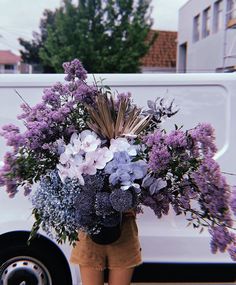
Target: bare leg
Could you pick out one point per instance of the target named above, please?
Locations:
(91, 276)
(120, 276)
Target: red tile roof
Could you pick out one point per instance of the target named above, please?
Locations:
(8, 57)
(163, 51)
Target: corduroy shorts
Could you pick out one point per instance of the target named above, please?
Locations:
(123, 253)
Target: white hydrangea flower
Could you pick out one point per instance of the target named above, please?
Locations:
(100, 157)
(88, 168)
(89, 141)
(122, 144)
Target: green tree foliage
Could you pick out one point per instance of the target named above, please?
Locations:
(30, 52)
(108, 36)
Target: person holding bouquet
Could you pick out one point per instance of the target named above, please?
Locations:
(96, 159)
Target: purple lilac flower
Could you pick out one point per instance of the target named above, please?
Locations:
(233, 200)
(188, 190)
(27, 189)
(84, 93)
(74, 69)
(13, 137)
(158, 137)
(11, 188)
(232, 251)
(124, 96)
(203, 140)
(2, 178)
(159, 203)
(52, 97)
(9, 174)
(176, 139)
(44, 121)
(159, 158)
(58, 115)
(215, 192)
(184, 202)
(10, 128)
(121, 200)
(221, 238)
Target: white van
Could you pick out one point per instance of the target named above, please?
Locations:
(166, 242)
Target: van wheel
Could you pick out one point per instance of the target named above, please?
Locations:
(40, 263)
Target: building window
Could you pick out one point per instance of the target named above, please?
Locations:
(218, 16)
(9, 67)
(206, 22)
(231, 12)
(196, 28)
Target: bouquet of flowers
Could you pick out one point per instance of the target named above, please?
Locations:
(92, 156)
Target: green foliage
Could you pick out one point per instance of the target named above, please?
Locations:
(30, 51)
(107, 36)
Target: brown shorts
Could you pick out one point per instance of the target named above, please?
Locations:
(123, 253)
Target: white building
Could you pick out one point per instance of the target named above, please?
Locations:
(207, 36)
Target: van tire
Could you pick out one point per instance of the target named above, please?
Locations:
(41, 262)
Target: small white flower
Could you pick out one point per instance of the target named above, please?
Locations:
(185, 176)
(136, 185)
(127, 186)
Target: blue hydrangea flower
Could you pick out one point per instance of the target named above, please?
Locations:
(85, 202)
(54, 203)
(103, 205)
(121, 200)
(120, 158)
(126, 174)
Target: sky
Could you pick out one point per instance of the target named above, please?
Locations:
(19, 18)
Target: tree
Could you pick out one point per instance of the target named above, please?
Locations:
(30, 53)
(106, 35)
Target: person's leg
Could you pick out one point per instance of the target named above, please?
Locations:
(91, 276)
(120, 276)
